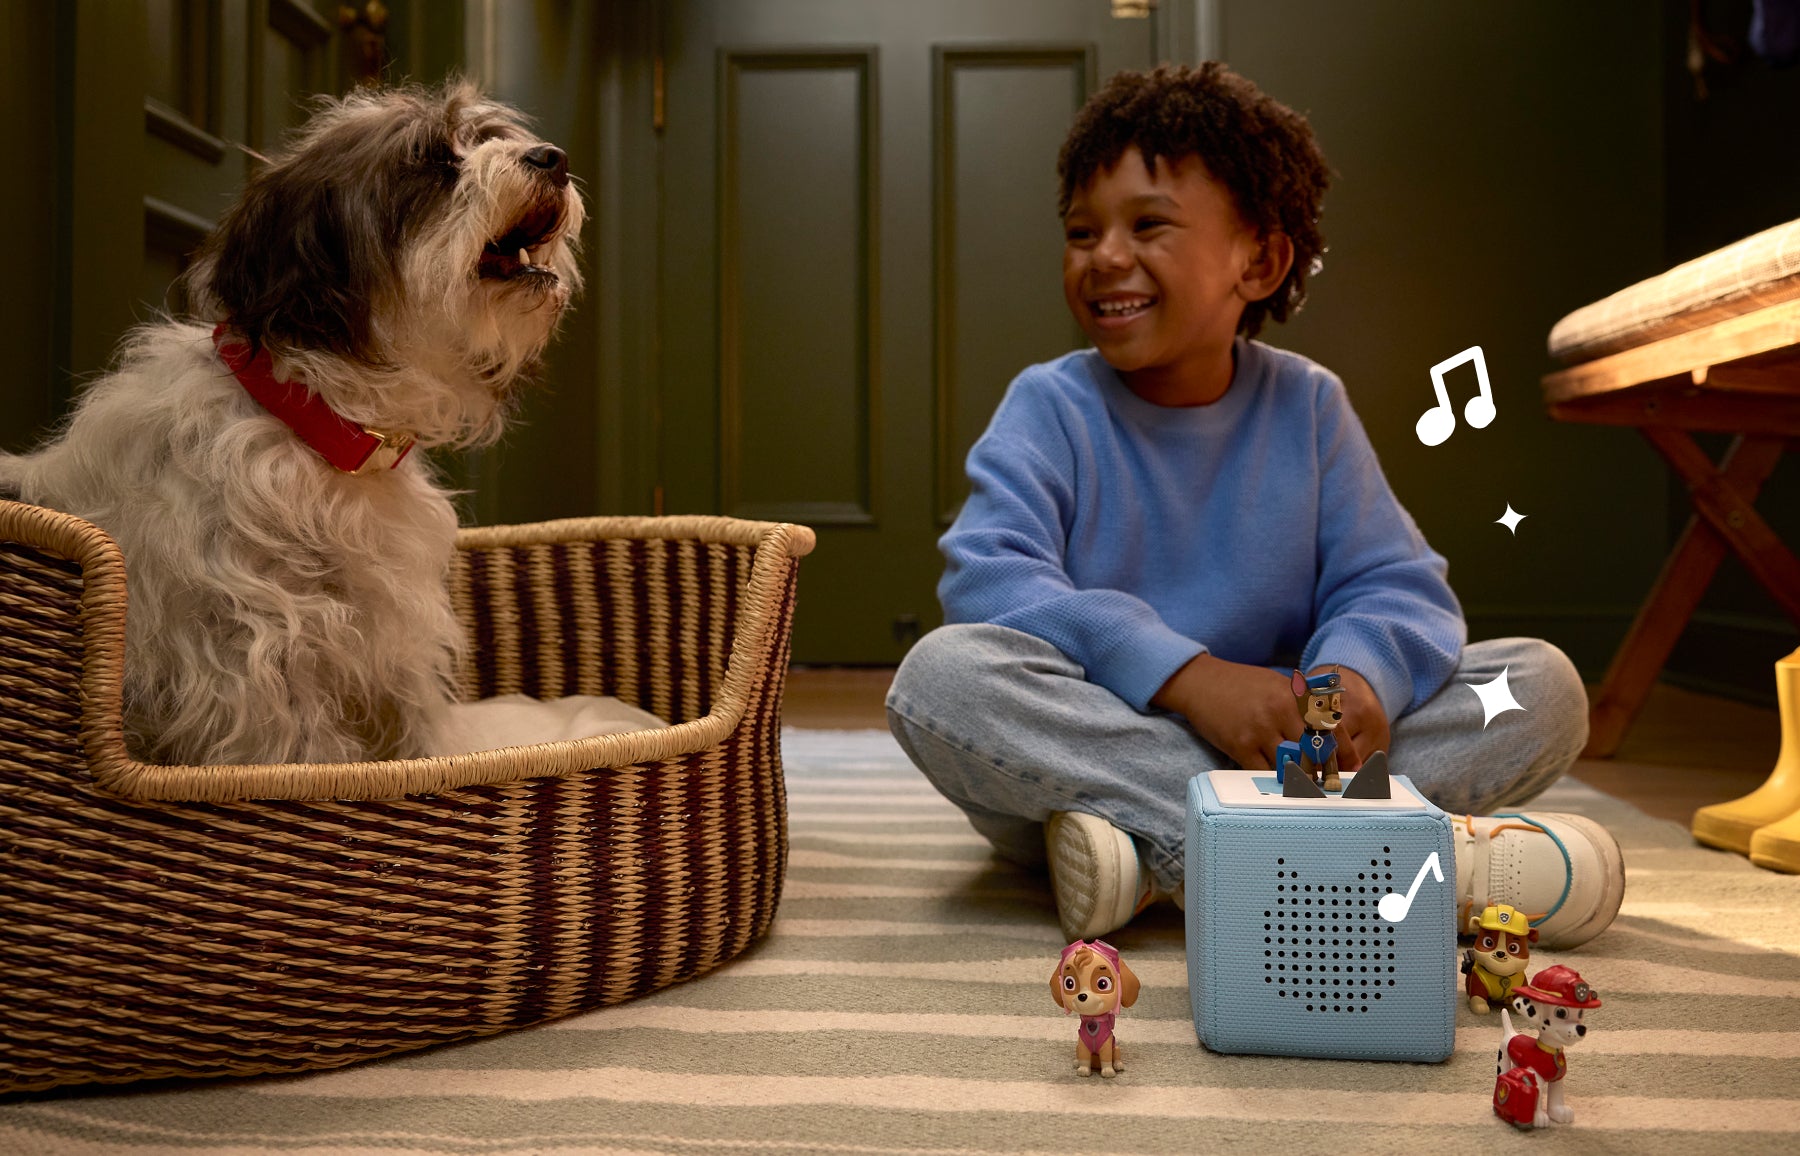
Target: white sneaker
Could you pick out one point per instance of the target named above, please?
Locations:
(1095, 874)
(1565, 872)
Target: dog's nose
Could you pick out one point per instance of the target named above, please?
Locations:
(1580, 1030)
(1082, 998)
(552, 160)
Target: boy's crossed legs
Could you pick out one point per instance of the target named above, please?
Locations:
(1010, 730)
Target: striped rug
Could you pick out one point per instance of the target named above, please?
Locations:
(901, 1005)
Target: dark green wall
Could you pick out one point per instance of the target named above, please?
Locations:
(77, 137)
(583, 443)
(1499, 165)
(31, 199)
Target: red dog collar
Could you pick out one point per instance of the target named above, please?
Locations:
(352, 448)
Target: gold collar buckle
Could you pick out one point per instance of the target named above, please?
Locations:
(389, 450)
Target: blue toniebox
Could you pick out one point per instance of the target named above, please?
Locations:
(1291, 950)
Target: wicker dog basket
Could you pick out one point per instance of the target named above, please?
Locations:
(231, 920)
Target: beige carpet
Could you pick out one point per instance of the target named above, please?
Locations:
(901, 1005)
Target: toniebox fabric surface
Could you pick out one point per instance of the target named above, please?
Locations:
(901, 1004)
(1280, 966)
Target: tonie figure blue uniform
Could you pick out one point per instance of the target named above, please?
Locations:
(1308, 768)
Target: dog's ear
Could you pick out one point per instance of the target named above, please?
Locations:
(1056, 991)
(310, 252)
(459, 94)
(1531, 936)
(1128, 985)
(290, 264)
(1298, 684)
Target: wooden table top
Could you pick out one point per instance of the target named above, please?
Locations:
(1755, 353)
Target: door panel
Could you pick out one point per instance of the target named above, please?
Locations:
(1000, 111)
(143, 117)
(796, 319)
(296, 59)
(859, 251)
(217, 73)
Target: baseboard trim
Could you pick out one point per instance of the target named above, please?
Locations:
(1731, 655)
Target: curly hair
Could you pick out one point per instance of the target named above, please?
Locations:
(1263, 152)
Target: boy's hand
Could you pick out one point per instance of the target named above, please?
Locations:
(1364, 728)
(1242, 710)
(1246, 710)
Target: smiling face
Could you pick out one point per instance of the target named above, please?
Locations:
(1085, 983)
(1089, 987)
(1158, 265)
(1557, 1026)
(1323, 712)
(1500, 953)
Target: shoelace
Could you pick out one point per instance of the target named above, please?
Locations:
(1483, 838)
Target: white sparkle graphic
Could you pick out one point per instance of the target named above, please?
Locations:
(1496, 697)
(1511, 518)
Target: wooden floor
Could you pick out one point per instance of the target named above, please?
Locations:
(1685, 751)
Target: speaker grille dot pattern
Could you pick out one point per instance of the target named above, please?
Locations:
(1325, 945)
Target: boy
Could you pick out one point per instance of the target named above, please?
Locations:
(1162, 528)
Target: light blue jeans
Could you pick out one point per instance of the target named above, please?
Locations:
(1009, 729)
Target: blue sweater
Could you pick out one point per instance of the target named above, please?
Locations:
(1259, 528)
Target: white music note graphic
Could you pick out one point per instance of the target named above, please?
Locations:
(1439, 422)
(1394, 906)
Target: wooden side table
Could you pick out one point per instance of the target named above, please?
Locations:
(1739, 375)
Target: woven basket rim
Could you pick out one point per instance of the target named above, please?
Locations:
(103, 609)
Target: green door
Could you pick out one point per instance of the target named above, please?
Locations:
(148, 117)
(202, 87)
(859, 250)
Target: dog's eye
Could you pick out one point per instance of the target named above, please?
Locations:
(442, 154)
(493, 130)
(1487, 943)
(1513, 947)
(1561, 1014)
(1068, 983)
(1103, 984)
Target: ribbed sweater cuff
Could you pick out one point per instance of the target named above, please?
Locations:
(1137, 667)
(1386, 673)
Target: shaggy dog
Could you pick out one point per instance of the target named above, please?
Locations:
(402, 264)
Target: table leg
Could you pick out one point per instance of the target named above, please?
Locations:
(1722, 496)
(1727, 505)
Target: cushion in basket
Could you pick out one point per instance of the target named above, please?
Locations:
(1760, 270)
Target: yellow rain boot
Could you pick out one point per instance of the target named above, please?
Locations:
(1732, 825)
(1777, 846)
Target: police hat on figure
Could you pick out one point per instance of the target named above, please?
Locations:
(1328, 683)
